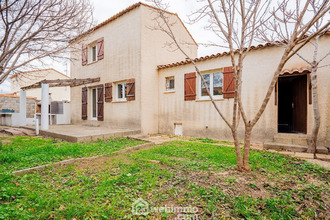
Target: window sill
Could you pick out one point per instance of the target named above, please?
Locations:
(92, 62)
(169, 91)
(209, 100)
(119, 101)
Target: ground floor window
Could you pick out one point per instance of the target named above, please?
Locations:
(94, 103)
(214, 82)
(121, 91)
(169, 83)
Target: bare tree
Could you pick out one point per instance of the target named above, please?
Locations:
(237, 22)
(314, 64)
(33, 31)
(281, 24)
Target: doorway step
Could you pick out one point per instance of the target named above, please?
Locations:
(293, 143)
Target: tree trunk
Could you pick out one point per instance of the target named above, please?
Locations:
(240, 165)
(317, 121)
(247, 145)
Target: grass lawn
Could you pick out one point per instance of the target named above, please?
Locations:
(23, 152)
(178, 174)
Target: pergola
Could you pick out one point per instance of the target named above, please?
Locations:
(62, 83)
(44, 85)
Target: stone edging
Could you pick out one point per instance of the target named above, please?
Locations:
(74, 160)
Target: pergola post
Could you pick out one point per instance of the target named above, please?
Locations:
(44, 106)
(22, 107)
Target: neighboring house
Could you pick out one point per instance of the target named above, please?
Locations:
(145, 85)
(9, 109)
(124, 52)
(27, 78)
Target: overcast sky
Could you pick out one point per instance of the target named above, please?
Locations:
(103, 9)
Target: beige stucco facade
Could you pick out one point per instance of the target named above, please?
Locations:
(132, 50)
(199, 117)
(28, 78)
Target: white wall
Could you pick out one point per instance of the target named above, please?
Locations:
(259, 67)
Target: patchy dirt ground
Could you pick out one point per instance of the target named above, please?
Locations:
(180, 173)
(258, 185)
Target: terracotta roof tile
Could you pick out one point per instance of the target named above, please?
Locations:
(11, 95)
(295, 71)
(260, 46)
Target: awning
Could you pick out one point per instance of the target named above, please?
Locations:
(296, 71)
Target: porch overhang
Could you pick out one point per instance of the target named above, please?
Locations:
(295, 71)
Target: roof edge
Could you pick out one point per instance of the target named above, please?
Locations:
(207, 57)
(12, 95)
(123, 12)
(31, 71)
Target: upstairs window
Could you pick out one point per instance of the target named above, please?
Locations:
(214, 82)
(170, 83)
(93, 53)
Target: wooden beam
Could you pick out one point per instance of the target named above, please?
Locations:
(62, 83)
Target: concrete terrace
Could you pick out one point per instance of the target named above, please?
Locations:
(81, 133)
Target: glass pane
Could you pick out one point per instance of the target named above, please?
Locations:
(120, 91)
(171, 83)
(125, 92)
(94, 103)
(207, 80)
(217, 83)
(94, 53)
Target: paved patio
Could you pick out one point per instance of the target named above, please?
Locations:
(81, 133)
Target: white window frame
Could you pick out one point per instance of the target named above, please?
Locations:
(90, 51)
(200, 97)
(96, 97)
(166, 82)
(92, 54)
(124, 83)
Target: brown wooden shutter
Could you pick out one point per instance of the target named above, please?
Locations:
(84, 55)
(100, 103)
(84, 103)
(130, 96)
(228, 82)
(189, 86)
(100, 48)
(108, 92)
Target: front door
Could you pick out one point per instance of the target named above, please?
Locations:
(292, 104)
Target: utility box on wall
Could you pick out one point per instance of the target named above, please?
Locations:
(178, 129)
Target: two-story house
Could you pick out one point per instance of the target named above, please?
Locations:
(145, 85)
(124, 52)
